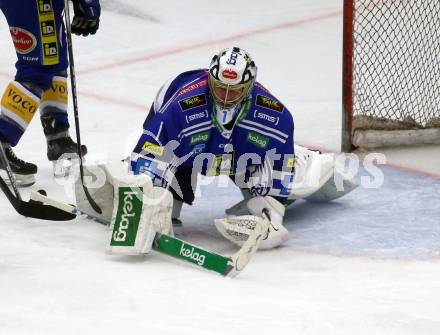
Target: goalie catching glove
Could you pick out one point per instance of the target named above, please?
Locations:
(243, 217)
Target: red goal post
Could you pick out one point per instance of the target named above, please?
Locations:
(391, 73)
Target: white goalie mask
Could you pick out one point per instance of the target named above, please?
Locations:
(232, 75)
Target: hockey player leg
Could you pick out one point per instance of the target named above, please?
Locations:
(19, 103)
(317, 175)
(182, 187)
(61, 149)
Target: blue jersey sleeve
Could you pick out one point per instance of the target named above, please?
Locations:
(158, 146)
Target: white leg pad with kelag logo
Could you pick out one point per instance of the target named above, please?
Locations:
(99, 179)
(140, 211)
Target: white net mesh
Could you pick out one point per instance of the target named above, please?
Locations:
(396, 64)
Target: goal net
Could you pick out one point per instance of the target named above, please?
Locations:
(391, 74)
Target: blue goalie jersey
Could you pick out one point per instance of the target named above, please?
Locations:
(182, 130)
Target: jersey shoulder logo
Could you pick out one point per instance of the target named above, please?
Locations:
(192, 102)
(196, 116)
(200, 138)
(192, 87)
(153, 148)
(257, 139)
(269, 103)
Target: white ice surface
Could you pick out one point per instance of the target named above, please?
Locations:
(365, 264)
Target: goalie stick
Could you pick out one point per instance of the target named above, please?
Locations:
(227, 266)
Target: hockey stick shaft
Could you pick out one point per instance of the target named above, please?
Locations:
(242, 257)
(226, 266)
(190, 253)
(75, 106)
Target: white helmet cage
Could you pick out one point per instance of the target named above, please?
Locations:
(233, 72)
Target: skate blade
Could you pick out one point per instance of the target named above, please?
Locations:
(21, 180)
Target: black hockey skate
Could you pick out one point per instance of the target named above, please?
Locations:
(24, 172)
(61, 151)
(64, 145)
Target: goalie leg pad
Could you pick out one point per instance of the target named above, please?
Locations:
(320, 177)
(140, 211)
(99, 179)
(99, 183)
